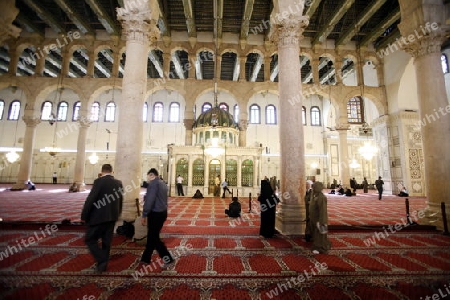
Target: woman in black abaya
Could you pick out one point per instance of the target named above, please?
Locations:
(268, 203)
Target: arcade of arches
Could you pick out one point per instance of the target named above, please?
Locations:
(298, 112)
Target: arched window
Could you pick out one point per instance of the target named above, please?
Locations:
(95, 112)
(315, 116)
(110, 114)
(62, 111)
(255, 114)
(76, 111)
(14, 110)
(144, 112)
(271, 114)
(444, 63)
(355, 110)
(304, 115)
(2, 108)
(206, 106)
(46, 110)
(158, 110)
(223, 106)
(174, 112)
(236, 113)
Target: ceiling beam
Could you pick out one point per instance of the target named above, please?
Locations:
(256, 68)
(190, 18)
(103, 17)
(75, 17)
(45, 16)
(391, 39)
(28, 25)
(177, 64)
(393, 17)
(311, 9)
(325, 31)
(245, 26)
(356, 26)
(153, 58)
(163, 25)
(218, 20)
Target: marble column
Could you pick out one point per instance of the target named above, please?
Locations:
(40, 65)
(27, 155)
(243, 124)
(14, 60)
(188, 123)
(344, 171)
(267, 61)
(191, 70)
(425, 28)
(139, 30)
(80, 161)
(287, 33)
(219, 66)
(315, 69)
(66, 56)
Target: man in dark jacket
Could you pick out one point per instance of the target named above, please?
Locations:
(234, 208)
(101, 211)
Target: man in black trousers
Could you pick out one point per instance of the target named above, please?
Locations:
(101, 211)
(154, 215)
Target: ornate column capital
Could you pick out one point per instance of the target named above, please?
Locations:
(289, 30)
(84, 121)
(137, 25)
(426, 45)
(31, 121)
(188, 123)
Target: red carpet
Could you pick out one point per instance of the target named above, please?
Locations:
(215, 260)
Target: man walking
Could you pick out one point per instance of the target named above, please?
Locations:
(180, 185)
(154, 215)
(101, 211)
(225, 188)
(379, 185)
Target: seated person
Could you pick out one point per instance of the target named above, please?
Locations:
(73, 188)
(340, 190)
(31, 186)
(198, 195)
(348, 193)
(332, 192)
(403, 193)
(234, 209)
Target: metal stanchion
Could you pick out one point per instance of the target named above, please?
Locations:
(250, 202)
(407, 213)
(444, 219)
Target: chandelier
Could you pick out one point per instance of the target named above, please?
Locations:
(93, 158)
(367, 151)
(12, 156)
(354, 164)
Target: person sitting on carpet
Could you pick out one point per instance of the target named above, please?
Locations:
(31, 186)
(234, 209)
(340, 190)
(403, 193)
(332, 192)
(198, 195)
(348, 193)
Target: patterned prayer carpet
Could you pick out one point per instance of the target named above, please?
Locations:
(218, 257)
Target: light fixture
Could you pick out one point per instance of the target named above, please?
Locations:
(93, 158)
(367, 151)
(314, 165)
(214, 150)
(53, 119)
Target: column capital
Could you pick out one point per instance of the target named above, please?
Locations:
(426, 45)
(137, 25)
(188, 123)
(31, 121)
(84, 121)
(342, 127)
(288, 31)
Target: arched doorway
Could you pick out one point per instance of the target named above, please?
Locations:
(214, 171)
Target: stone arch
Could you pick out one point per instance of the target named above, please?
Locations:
(377, 102)
(45, 92)
(96, 93)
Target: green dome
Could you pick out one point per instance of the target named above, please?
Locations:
(215, 117)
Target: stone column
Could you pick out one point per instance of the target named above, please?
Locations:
(206, 183)
(188, 123)
(239, 172)
(14, 60)
(219, 66)
(338, 70)
(27, 155)
(287, 33)
(315, 69)
(80, 161)
(166, 64)
(40, 65)
(267, 61)
(65, 63)
(425, 28)
(255, 171)
(191, 70)
(91, 64)
(344, 172)
(243, 59)
(116, 64)
(139, 29)
(243, 124)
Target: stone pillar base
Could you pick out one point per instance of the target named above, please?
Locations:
(77, 187)
(19, 187)
(433, 216)
(289, 220)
